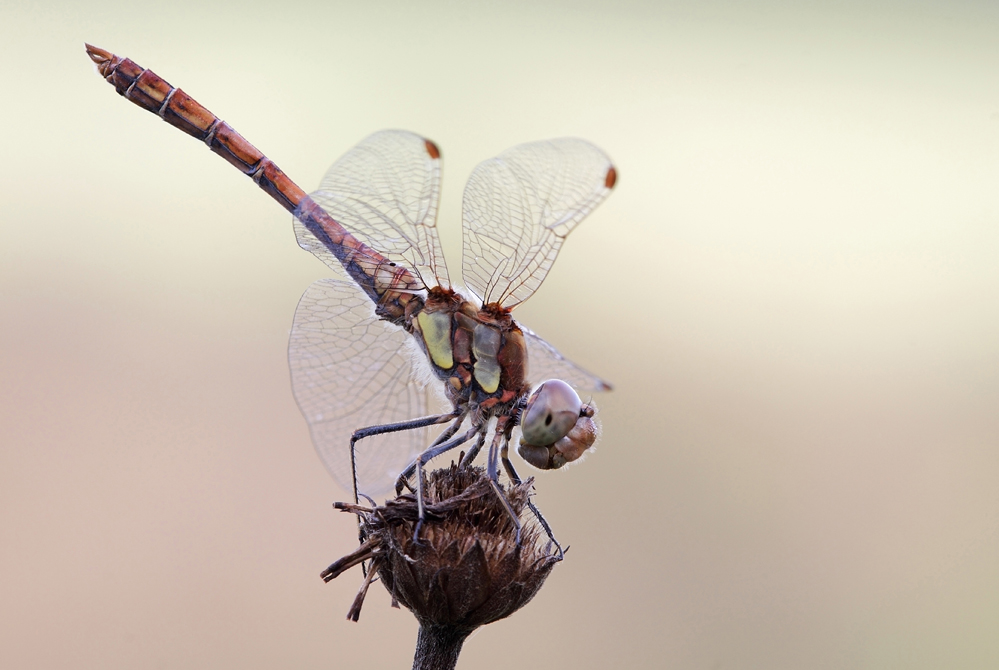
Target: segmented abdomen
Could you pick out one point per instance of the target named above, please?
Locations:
(387, 284)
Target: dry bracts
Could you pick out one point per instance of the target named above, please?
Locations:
(468, 569)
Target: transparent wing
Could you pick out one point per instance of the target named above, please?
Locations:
(520, 206)
(545, 362)
(351, 370)
(385, 192)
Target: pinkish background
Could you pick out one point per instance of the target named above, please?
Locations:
(794, 288)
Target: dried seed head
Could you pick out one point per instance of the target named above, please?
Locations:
(467, 569)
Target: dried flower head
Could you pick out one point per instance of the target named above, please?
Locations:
(466, 570)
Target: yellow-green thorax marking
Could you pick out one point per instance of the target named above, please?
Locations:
(481, 353)
(435, 328)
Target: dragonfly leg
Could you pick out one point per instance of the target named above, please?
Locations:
(370, 431)
(417, 468)
(474, 451)
(493, 470)
(447, 434)
(362, 433)
(515, 478)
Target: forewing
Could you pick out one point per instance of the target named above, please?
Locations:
(520, 206)
(385, 192)
(545, 362)
(351, 370)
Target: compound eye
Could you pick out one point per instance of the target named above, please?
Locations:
(552, 411)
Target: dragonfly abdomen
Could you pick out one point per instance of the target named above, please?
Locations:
(389, 285)
(151, 92)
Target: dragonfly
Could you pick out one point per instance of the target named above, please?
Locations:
(390, 349)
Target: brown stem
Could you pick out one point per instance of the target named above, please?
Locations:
(438, 646)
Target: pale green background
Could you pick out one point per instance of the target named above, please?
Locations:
(794, 289)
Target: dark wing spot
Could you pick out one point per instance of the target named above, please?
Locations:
(432, 149)
(611, 178)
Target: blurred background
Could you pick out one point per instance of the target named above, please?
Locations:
(794, 289)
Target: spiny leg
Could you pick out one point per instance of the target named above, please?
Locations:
(417, 468)
(370, 431)
(445, 435)
(493, 471)
(403, 479)
(474, 451)
(412, 424)
(515, 478)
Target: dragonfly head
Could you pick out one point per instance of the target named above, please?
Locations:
(557, 426)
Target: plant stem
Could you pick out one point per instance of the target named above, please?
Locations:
(438, 646)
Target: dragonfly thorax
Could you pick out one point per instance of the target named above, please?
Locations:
(480, 353)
